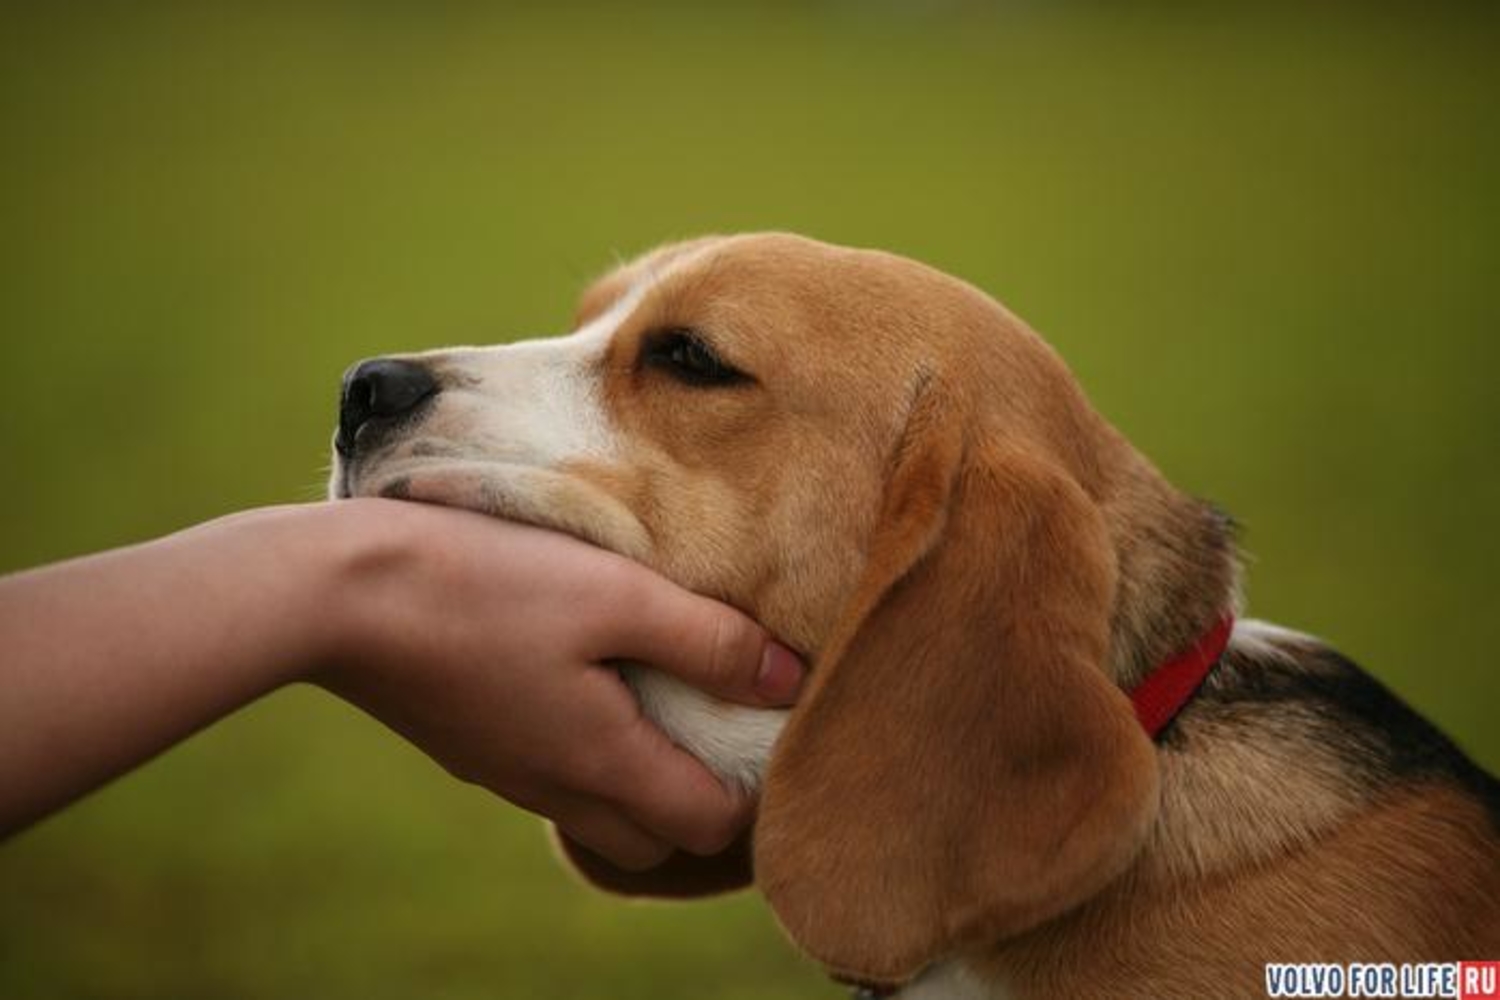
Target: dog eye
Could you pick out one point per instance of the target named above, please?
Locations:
(685, 356)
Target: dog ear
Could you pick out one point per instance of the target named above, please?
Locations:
(681, 876)
(960, 768)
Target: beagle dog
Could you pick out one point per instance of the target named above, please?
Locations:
(1036, 756)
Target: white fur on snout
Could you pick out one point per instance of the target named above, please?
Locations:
(539, 402)
(507, 423)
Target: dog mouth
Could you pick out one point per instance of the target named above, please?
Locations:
(466, 488)
(511, 491)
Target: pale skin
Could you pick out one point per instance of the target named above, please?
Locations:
(487, 644)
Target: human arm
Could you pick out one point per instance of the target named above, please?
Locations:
(478, 640)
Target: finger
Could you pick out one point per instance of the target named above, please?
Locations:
(670, 794)
(615, 838)
(709, 645)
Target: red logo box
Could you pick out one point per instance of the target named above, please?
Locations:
(1478, 980)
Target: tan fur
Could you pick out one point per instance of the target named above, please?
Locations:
(1212, 937)
(886, 840)
(915, 493)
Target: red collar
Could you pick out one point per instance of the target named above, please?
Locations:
(1164, 691)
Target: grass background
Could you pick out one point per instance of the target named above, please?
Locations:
(1266, 237)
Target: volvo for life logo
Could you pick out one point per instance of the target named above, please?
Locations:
(1460, 980)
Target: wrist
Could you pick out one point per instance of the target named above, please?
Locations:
(359, 551)
(300, 565)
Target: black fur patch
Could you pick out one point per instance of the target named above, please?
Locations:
(1382, 740)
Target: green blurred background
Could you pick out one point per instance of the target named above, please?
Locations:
(1266, 238)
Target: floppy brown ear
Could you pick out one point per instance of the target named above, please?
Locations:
(960, 768)
(682, 876)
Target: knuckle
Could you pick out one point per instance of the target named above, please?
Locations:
(619, 593)
(598, 768)
(736, 649)
(621, 583)
(713, 834)
(617, 765)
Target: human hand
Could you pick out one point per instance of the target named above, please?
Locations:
(487, 644)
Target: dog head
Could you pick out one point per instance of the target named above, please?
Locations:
(897, 477)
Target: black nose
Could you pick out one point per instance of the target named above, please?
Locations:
(379, 388)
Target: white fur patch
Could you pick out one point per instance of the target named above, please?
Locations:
(952, 980)
(537, 402)
(1265, 639)
(732, 741)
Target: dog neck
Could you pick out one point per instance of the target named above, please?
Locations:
(1178, 572)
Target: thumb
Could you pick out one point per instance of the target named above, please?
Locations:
(709, 645)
